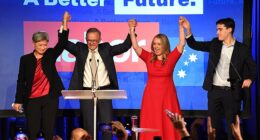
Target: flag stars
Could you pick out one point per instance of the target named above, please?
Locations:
(181, 73)
(186, 63)
(193, 58)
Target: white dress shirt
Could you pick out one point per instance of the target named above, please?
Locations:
(103, 79)
(222, 70)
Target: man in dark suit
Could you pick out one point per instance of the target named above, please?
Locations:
(225, 77)
(95, 68)
(39, 85)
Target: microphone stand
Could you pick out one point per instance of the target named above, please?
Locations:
(93, 90)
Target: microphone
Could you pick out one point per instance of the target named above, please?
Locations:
(236, 71)
(97, 68)
(93, 83)
(96, 72)
(93, 80)
(232, 65)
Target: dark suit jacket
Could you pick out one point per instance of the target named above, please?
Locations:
(241, 58)
(27, 70)
(106, 51)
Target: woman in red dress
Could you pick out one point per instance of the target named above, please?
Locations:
(160, 91)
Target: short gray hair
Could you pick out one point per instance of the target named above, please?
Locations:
(40, 36)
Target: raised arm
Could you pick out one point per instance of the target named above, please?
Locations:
(186, 24)
(210, 130)
(192, 43)
(66, 19)
(125, 46)
(119, 130)
(182, 40)
(70, 46)
(62, 35)
(180, 125)
(132, 24)
(235, 127)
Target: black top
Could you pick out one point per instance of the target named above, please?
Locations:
(106, 51)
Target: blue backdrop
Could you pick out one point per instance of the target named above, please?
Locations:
(192, 63)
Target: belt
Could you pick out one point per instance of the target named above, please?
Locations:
(221, 87)
(99, 88)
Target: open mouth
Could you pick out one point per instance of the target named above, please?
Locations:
(157, 50)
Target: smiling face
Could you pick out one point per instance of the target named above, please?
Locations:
(157, 47)
(40, 41)
(40, 47)
(160, 45)
(93, 38)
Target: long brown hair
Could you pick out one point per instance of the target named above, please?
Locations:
(165, 45)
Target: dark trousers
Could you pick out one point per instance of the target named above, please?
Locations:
(104, 115)
(222, 103)
(41, 112)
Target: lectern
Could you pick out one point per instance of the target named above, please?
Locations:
(94, 95)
